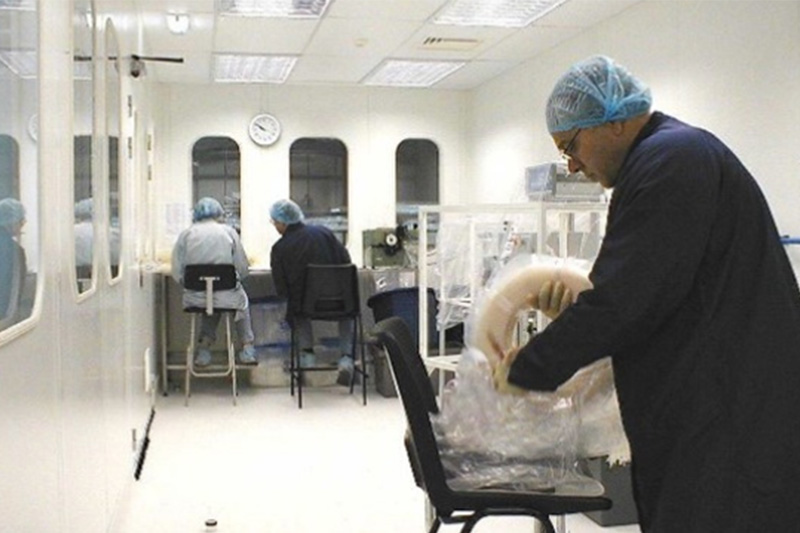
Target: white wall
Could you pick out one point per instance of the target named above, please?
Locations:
(370, 122)
(731, 67)
(72, 383)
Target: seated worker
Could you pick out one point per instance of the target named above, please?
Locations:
(298, 246)
(84, 233)
(13, 264)
(209, 241)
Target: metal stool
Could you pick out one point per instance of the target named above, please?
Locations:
(210, 278)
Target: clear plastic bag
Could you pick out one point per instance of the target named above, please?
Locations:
(492, 440)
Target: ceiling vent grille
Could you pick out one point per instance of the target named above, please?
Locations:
(449, 43)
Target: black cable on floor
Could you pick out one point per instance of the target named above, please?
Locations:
(145, 444)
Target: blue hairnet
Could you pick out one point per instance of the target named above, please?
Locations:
(286, 212)
(11, 212)
(593, 92)
(84, 209)
(207, 208)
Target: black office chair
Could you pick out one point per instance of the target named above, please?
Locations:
(330, 294)
(209, 279)
(457, 506)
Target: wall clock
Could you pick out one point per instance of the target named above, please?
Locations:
(264, 129)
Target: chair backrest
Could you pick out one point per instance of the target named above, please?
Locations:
(194, 277)
(331, 292)
(419, 402)
(404, 303)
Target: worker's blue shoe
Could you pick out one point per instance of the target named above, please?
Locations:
(345, 371)
(203, 357)
(307, 359)
(248, 356)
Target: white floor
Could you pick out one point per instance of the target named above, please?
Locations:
(266, 467)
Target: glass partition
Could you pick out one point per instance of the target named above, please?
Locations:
(318, 182)
(19, 183)
(113, 134)
(216, 173)
(417, 177)
(83, 140)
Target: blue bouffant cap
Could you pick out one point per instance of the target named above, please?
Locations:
(207, 208)
(593, 92)
(11, 212)
(286, 212)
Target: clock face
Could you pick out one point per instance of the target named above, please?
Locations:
(264, 129)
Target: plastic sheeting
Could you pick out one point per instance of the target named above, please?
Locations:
(491, 440)
(531, 440)
(471, 248)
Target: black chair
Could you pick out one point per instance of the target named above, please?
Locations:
(450, 506)
(209, 279)
(330, 294)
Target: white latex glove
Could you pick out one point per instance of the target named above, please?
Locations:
(501, 368)
(552, 299)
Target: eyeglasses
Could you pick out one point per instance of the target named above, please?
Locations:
(566, 152)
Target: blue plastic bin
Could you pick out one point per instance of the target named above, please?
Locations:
(405, 304)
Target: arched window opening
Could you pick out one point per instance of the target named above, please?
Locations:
(216, 173)
(318, 182)
(417, 183)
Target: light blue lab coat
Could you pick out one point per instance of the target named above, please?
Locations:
(211, 242)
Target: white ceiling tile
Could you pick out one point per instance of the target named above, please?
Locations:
(584, 13)
(524, 44)
(474, 74)
(359, 37)
(262, 35)
(336, 69)
(198, 38)
(396, 10)
(485, 36)
(182, 6)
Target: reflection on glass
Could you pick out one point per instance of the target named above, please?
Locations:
(83, 123)
(18, 162)
(216, 172)
(13, 260)
(113, 131)
(9, 167)
(318, 182)
(84, 240)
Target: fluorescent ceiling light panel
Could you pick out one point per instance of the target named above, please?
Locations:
(502, 13)
(409, 73)
(273, 8)
(232, 68)
(21, 62)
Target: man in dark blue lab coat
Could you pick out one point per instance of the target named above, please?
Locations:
(695, 301)
(302, 244)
